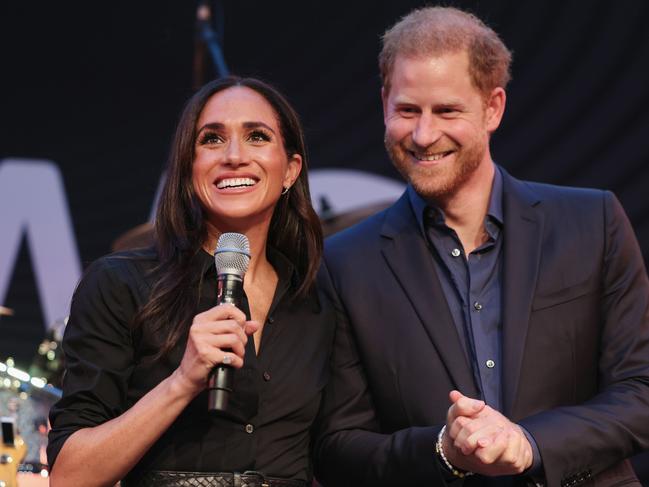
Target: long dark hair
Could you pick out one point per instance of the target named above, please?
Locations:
(181, 230)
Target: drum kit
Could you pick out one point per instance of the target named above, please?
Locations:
(25, 400)
(143, 235)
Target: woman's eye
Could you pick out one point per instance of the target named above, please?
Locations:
(259, 136)
(210, 138)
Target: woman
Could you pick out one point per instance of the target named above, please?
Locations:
(145, 331)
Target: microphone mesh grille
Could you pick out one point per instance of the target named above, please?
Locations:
(232, 254)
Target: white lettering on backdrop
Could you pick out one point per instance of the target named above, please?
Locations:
(33, 203)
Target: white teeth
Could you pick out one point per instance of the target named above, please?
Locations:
(235, 182)
(431, 157)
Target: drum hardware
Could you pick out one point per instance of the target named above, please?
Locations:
(25, 400)
(48, 361)
(334, 222)
(143, 235)
(4, 311)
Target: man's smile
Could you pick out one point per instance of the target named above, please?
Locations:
(430, 157)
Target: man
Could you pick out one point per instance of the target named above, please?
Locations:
(491, 331)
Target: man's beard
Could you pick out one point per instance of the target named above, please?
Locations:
(436, 182)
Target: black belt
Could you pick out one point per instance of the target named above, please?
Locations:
(161, 478)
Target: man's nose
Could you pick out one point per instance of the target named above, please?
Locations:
(426, 131)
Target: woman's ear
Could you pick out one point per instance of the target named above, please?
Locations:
(292, 170)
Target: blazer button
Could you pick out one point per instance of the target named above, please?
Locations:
(249, 428)
(266, 376)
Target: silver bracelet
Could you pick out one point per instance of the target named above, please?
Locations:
(440, 454)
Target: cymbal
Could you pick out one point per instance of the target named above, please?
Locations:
(143, 235)
(6, 311)
(336, 223)
(139, 236)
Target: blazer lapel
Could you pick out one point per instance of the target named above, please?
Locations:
(409, 258)
(523, 231)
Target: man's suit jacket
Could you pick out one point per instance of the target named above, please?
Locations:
(575, 342)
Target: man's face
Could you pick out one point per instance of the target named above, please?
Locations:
(437, 124)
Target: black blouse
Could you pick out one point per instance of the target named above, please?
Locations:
(277, 392)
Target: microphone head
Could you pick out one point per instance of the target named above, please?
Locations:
(232, 254)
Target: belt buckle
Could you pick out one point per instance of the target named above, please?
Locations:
(262, 479)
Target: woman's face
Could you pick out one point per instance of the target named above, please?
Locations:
(240, 164)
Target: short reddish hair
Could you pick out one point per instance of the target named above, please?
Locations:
(434, 31)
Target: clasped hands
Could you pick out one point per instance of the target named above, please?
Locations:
(479, 439)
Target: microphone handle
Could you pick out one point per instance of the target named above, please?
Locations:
(221, 380)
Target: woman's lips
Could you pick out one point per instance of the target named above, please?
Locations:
(238, 182)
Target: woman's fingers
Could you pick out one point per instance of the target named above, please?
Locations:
(230, 359)
(231, 342)
(251, 326)
(220, 327)
(221, 312)
(217, 336)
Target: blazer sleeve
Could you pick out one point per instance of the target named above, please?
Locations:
(580, 441)
(350, 450)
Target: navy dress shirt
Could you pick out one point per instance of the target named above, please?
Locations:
(472, 287)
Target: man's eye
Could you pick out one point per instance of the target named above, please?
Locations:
(259, 136)
(210, 138)
(447, 111)
(408, 111)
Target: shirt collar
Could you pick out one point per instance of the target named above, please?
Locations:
(204, 265)
(494, 211)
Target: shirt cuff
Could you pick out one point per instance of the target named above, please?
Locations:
(536, 470)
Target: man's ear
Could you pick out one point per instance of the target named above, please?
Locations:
(495, 108)
(384, 100)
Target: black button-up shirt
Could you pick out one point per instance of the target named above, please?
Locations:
(277, 392)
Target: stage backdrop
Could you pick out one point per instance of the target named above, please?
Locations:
(92, 93)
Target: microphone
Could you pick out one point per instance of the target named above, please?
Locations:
(231, 257)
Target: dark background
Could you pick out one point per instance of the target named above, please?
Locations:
(97, 87)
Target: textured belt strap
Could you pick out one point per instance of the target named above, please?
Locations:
(159, 478)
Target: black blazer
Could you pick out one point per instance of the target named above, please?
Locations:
(575, 366)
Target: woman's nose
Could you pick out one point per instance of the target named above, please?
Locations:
(235, 153)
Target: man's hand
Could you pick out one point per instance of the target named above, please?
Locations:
(480, 439)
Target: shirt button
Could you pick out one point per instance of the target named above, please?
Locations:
(477, 306)
(266, 376)
(490, 364)
(456, 252)
(249, 428)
